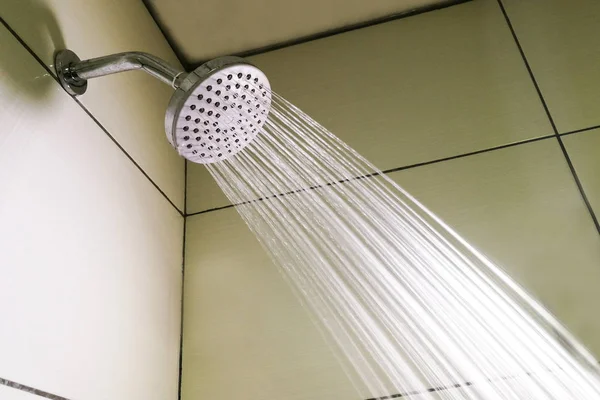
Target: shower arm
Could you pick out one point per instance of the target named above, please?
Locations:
(74, 73)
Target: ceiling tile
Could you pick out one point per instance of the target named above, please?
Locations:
(202, 30)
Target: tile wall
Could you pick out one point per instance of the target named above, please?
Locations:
(91, 203)
(486, 111)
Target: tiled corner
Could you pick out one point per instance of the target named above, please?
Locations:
(203, 193)
(255, 28)
(584, 151)
(131, 106)
(431, 86)
(521, 207)
(561, 41)
(90, 251)
(245, 333)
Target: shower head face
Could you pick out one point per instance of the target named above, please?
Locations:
(218, 110)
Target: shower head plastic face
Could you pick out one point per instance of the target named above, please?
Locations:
(218, 110)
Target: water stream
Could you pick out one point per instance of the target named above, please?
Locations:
(413, 310)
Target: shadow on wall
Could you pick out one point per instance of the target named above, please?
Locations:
(44, 34)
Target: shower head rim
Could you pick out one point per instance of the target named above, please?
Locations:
(189, 87)
(191, 82)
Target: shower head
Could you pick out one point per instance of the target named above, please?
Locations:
(215, 112)
(218, 110)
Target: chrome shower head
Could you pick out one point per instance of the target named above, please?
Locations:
(215, 112)
(218, 109)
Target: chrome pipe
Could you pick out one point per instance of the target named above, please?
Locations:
(121, 62)
(74, 73)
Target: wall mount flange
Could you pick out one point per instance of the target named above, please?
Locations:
(63, 61)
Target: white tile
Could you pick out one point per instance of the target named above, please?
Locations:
(561, 41)
(90, 251)
(131, 106)
(431, 86)
(521, 207)
(193, 25)
(245, 334)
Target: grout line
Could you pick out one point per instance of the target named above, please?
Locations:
(342, 29)
(185, 177)
(182, 282)
(180, 373)
(579, 184)
(591, 128)
(472, 153)
(528, 67)
(452, 386)
(30, 390)
(387, 171)
(127, 155)
(210, 210)
(29, 50)
(418, 392)
(52, 74)
(557, 135)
